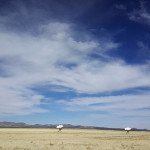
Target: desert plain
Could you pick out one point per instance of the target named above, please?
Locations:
(72, 139)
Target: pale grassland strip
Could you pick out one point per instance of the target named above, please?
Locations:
(72, 139)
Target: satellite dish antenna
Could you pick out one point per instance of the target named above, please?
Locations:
(127, 129)
(59, 127)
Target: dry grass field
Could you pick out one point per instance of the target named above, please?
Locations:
(72, 139)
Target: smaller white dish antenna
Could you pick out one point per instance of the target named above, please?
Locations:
(60, 127)
(127, 129)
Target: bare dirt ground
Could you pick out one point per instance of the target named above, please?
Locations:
(73, 139)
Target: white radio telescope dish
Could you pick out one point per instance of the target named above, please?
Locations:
(127, 129)
(60, 127)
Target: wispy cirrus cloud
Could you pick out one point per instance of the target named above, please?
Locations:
(55, 57)
(141, 15)
(123, 110)
(121, 103)
(50, 58)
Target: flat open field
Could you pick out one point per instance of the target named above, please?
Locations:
(72, 139)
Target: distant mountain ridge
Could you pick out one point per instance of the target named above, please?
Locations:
(24, 125)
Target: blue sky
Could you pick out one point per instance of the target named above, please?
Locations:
(78, 62)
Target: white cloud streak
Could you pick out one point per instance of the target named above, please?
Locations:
(113, 111)
(55, 57)
(130, 107)
(141, 15)
(137, 101)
